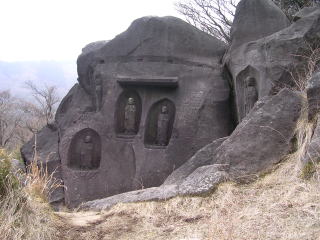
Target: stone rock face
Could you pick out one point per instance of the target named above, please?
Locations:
(48, 157)
(255, 19)
(313, 149)
(256, 145)
(304, 12)
(262, 67)
(263, 138)
(313, 90)
(201, 158)
(145, 103)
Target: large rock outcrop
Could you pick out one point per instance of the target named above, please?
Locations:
(255, 19)
(264, 66)
(145, 103)
(154, 107)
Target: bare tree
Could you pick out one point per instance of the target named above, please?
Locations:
(10, 119)
(46, 101)
(214, 17)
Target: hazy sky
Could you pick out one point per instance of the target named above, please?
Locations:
(58, 29)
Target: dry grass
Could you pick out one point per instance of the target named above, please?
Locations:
(24, 211)
(279, 206)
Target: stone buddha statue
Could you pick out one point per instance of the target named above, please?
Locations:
(163, 125)
(250, 94)
(86, 154)
(130, 117)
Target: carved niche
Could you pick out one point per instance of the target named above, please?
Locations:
(85, 150)
(246, 91)
(159, 123)
(128, 114)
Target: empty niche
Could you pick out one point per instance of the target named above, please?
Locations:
(159, 123)
(85, 150)
(246, 91)
(128, 114)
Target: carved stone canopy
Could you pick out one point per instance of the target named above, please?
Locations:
(158, 81)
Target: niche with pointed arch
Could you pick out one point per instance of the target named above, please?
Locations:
(85, 150)
(128, 114)
(246, 91)
(159, 123)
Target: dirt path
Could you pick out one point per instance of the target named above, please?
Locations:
(124, 225)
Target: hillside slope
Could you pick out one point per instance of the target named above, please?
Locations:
(279, 206)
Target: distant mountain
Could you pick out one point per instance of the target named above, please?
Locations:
(13, 75)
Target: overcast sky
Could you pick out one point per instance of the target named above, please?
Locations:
(58, 29)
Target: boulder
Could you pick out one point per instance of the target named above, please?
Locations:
(263, 67)
(263, 138)
(201, 158)
(255, 19)
(204, 180)
(149, 194)
(313, 90)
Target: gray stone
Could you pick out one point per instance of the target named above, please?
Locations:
(255, 19)
(263, 138)
(304, 12)
(201, 158)
(313, 149)
(203, 180)
(173, 73)
(313, 95)
(272, 60)
(149, 194)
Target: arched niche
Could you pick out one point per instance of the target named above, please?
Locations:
(85, 150)
(159, 123)
(128, 114)
(246, 91)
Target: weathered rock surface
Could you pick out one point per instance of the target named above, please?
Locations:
(263, 138)
(256, 145)
(313, 149)
(304, 12)
(201, 158)
(255, 19)
(204, 179)
(262, 67)
(313, 95)
(149, 194)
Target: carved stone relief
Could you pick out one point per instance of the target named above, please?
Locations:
(128, 114)
(246, 91)
(250, 94)
(159, 123)
(85, 150)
